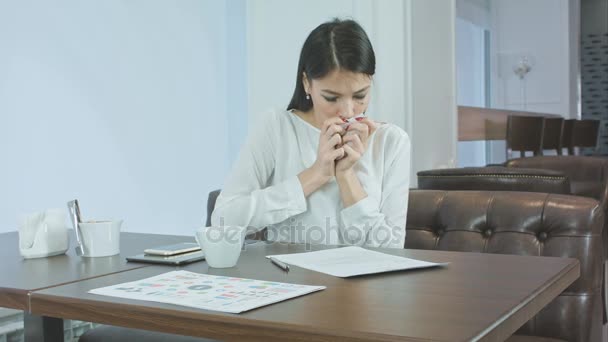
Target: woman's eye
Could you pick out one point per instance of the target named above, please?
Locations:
(359, 97)
(330, 99)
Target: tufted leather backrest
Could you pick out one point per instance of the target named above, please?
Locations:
(523, 223)
(588, 175)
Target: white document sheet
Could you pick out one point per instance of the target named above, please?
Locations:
(208, 292)
(352, 261)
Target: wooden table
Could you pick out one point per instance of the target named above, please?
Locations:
(475, 123)
(20, 277)
(482, 297)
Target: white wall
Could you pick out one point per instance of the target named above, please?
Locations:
(138, 108)
(432, 83)
(471, 83)
(547, 31)
(120, 104)
(474, 11)
(236, 72)
(470, 57)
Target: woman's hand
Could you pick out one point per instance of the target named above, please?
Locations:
(354, 143)
(330, 149)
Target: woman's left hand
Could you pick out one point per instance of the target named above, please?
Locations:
(355, 142)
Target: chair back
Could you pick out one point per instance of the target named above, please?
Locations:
(567, 135)
(552, 134)
(584, 134)
(580, 133)
(525, 133)
(523, 223)
(212, 199)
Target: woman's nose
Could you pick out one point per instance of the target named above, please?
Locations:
(347, 109)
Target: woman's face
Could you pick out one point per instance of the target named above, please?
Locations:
(339, 93)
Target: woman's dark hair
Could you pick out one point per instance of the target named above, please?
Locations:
(337, 44)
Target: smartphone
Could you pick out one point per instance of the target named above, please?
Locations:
(178, 248)
(176, 260)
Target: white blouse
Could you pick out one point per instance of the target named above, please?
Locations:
(263, 189)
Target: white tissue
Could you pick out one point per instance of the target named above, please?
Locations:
(350, 121)
(43, 234)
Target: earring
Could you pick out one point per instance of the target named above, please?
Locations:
(307, 96)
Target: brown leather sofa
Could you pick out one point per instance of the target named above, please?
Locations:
(588, 176)
(522, 223)
(576, 175)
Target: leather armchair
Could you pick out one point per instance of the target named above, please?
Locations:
(527, 224)
(588, 175)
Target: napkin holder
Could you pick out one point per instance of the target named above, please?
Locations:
(43, 234)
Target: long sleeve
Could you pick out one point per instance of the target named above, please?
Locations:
(247, 199)
(381, 223)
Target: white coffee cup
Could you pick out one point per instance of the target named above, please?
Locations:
(221, 245)
(100, 238)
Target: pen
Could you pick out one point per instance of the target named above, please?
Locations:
(279, 264)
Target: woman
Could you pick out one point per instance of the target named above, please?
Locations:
(313, 174)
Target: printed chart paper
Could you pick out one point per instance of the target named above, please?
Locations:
(207, 292)
(352, 261)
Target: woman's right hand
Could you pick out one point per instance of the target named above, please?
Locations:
(330, 148)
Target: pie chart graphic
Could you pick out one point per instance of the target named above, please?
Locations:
(199, 287)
